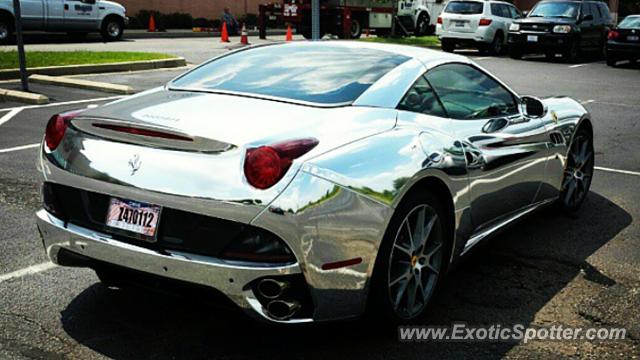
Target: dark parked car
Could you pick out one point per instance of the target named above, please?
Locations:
(560, 26)
(624, 41)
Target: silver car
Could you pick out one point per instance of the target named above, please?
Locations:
(307, 181)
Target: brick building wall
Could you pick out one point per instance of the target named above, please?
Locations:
(209, 9)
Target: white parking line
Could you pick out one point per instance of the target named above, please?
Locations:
(34, 269)
(587, 102)
(483, 58)
(6, 117)
(17, 148)
(627, 172)
(577, 66)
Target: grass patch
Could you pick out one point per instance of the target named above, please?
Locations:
(424, 41)
(9, 59)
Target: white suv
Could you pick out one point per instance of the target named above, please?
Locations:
(482, 24)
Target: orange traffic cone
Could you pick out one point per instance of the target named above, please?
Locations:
(244, 38)
(224, 36)
(289, 34)
(152, 24)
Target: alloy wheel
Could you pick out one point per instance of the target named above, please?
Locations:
(4, 31)
(578, 172)
(355, 30)
(415, 262)
(113, 29)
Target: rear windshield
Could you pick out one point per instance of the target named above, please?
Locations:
(464, 7)
(556, 9)
(630, 22)
(315, 73)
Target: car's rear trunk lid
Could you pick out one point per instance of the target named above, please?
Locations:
(169, 173)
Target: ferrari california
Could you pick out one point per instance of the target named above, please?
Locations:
(307, 181)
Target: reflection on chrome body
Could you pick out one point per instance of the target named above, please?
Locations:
(334, 203)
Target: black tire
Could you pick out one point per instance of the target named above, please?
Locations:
(447, 45)
(578, 172)
(6, 30)
(612, 61)
(422, 25)
(550, 55)
(356, 29)
(381, 302)
(112, 28)
(497, 45)
(515, 53)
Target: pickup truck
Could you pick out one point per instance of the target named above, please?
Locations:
(76, 17)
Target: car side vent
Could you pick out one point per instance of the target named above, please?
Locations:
(557, 138)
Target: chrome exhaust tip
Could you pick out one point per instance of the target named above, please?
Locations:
(282, 310)
(272, 289)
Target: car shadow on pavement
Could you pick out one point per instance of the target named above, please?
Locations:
(507, 281)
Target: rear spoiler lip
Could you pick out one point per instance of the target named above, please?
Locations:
(102, 127)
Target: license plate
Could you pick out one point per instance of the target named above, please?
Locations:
(459, 24)
(633, 38)
(272, 17)
(134, 216)
(532, 38)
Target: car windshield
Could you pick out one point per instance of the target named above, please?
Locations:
(464, 7)
(315, 73)
(630, 22)
(555, 9)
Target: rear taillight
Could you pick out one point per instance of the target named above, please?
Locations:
(484, 22)
(613, 35)
(439, 20)
(264, 166)
(57, 126)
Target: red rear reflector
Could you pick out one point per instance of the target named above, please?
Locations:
(484, 22)
(613, 35)
(143, 132)
(339, 264)
(439, 20)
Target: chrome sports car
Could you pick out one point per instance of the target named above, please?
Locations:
(307, 181)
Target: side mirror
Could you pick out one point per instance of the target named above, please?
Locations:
(525, 13)
(533, 107)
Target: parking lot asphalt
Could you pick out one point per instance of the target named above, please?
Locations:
(551, 269)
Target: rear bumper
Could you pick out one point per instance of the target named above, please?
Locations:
(546, 42)
(481, 35)
(320, 221)
(229, 278)
(620, 49)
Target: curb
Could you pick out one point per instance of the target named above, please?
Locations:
(25, 97)
(96, 68)
(141, 34)
(82, 84)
